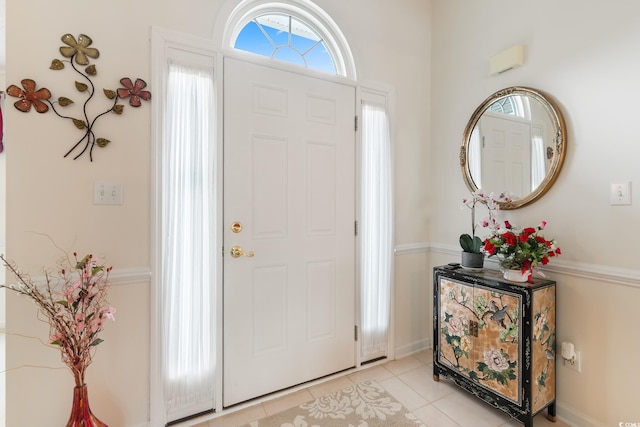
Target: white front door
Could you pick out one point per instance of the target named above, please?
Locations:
(506, 154)
(289, 197)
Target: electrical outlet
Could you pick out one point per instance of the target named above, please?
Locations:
(107, 193)
(576, 365)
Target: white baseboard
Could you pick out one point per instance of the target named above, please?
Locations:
(413, 348)
(574, 418)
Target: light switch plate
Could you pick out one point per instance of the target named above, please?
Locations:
(620, 194)
(107, 193)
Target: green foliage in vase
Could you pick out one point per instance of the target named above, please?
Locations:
(471, 244)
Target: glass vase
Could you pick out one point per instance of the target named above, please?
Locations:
(81, 415)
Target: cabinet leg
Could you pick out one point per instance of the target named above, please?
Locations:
(436, 377)
(551, 412)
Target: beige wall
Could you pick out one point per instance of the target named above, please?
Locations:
(584, 56)
(49, 194)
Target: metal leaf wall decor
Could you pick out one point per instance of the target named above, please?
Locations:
(79, 54)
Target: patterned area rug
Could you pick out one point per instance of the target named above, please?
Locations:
(363, 405)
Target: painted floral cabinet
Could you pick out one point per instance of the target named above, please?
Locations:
(496, 339)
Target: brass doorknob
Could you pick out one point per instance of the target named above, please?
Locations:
(237, 252)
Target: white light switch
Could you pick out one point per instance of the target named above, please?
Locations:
(107, 193)
(620, 193)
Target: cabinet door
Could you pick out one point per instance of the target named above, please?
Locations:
(456, 325)
(543, 345)
(495, 356)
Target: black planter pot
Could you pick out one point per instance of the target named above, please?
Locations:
(472, 260)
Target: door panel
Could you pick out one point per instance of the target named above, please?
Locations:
(289, 298)
(506, 153)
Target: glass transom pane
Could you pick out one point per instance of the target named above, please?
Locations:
(286, 38)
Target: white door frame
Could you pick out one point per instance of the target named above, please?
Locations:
(161, 40)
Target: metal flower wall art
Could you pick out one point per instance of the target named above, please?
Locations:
(79, 54)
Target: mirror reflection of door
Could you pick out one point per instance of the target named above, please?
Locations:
(506, 154)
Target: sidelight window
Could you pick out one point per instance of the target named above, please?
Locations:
(376, 235)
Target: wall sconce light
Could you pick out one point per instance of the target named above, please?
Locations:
(507, 59)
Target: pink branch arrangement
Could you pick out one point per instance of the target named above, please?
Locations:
(74, 301)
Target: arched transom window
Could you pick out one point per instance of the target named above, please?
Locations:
(293, 31)
(288, 39)
(514, 105)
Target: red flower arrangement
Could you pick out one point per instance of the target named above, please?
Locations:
(521, 249)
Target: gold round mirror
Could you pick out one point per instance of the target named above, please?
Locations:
(515, 143)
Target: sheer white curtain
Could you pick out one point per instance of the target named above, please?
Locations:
(538, 157)
(475, 157)
(187, 253)
(376, 248)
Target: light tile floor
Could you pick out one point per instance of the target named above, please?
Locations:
(410, 381)
(3, 377)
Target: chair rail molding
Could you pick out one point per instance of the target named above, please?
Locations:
(603, 273)
(412, 248)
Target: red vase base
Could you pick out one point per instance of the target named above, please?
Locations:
(81, 415)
